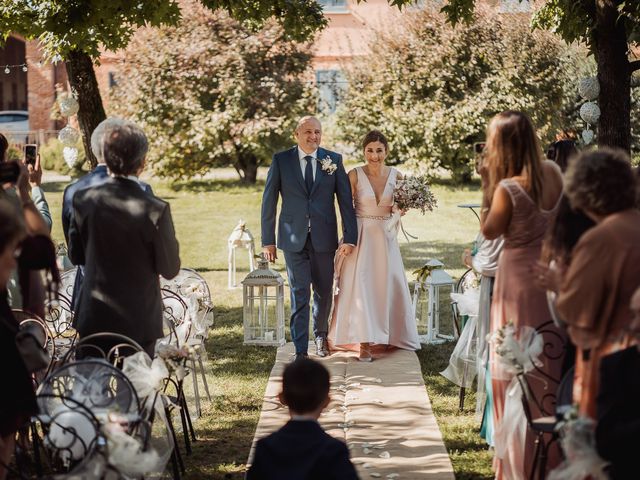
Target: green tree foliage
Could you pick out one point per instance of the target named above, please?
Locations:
(210, 92)
(77, 30)
(433, 87)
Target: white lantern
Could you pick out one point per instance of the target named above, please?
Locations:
(68, 105)
(590, 113)
(587, 136)
(69, 136)
(589, 88)
(263, 312)
(70, 155)
(426, 302)
(240, 238)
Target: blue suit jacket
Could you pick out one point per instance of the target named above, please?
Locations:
(301, 450)
(301, 208)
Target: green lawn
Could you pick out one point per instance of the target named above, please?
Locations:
(204, 213)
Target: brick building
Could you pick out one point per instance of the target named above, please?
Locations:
(350, 34)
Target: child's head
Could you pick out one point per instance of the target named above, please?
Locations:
(305, 387)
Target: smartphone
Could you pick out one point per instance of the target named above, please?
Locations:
(478, 147)
(9, 172)
(30, 154)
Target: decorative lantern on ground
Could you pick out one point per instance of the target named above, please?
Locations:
(426, 300)
(240, 238)
(263, 300)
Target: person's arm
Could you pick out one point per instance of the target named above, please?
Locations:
(75, 249)
(345, 203)
(341, 466)
(33, 220)
(37, 195)
(165, 246)
(269, 208)
(584, 290)
(495, 218)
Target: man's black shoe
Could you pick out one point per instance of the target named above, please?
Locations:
(300, 356)
(322, 347)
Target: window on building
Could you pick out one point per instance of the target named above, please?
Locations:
(515, 6)
(334, 6)
(332, 85)
(112, 80)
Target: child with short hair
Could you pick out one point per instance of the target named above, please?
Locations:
(302, 450)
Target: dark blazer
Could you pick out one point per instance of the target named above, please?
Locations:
(618, 430)
(95, 177)
(301, 450)
(300, 207)
(125, 239)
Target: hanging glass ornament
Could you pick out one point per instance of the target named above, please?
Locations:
(590, 113)
(587, 136)
(589, 88)
(69, 136)
(70, 155)
(68, 105)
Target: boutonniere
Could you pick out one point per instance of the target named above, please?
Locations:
(328, 166)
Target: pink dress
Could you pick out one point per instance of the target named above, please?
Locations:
(516, 299)
(373, 303)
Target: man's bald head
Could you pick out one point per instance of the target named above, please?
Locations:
(308, 133)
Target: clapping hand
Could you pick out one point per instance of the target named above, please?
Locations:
(547, 277)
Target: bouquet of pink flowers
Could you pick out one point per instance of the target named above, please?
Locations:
(414, 192)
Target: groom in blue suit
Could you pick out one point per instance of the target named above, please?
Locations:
(308, 178)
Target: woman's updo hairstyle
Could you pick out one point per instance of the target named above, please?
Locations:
(375, 136)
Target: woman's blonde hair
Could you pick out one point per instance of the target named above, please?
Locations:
(513, 149)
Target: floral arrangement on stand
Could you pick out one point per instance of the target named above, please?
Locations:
(411, 192)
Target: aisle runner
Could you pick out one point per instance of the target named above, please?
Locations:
(381, 409)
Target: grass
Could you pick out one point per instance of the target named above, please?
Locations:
(204, 213)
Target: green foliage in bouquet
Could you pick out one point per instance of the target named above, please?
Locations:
(209, 93)
(432, 87)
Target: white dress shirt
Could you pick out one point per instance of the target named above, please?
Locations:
(303, 161)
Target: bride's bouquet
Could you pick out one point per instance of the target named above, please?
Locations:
(411, 192)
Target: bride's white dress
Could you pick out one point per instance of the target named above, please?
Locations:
(373, 303)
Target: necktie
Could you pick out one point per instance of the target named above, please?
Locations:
(308, 173)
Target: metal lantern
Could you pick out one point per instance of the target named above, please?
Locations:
(426, 301)
(240, 238)
(263, 312)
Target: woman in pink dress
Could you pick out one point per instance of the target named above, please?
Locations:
(521, 194)
(373, 305)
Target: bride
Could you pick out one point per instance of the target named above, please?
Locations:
(373, 303)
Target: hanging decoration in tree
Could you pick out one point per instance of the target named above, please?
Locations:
(589, 89)
(69, 136)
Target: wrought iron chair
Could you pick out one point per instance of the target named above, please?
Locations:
(59, 319)
(27, 318)
(67, 281)
(108, 346)
(541, 412)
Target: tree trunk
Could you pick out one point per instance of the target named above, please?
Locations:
(614, 75)
(250, 170)
(83, 81)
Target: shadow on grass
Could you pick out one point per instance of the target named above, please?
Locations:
(226, 186)
(415, 254)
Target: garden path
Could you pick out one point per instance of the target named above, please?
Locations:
(380, 409)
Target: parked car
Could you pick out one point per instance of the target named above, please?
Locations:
(13, 121)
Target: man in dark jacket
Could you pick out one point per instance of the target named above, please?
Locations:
(301, 450)
(125, 239)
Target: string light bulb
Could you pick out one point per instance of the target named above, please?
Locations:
(24, 68)
(7, 70)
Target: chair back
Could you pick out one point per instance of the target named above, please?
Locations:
(67, 282)
(34, 321)
(96, 384)
(108, 346)
(176, 317)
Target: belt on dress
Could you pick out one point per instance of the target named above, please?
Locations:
(374, 217)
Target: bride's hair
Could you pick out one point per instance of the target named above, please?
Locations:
(375, 136)
(513, 149)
